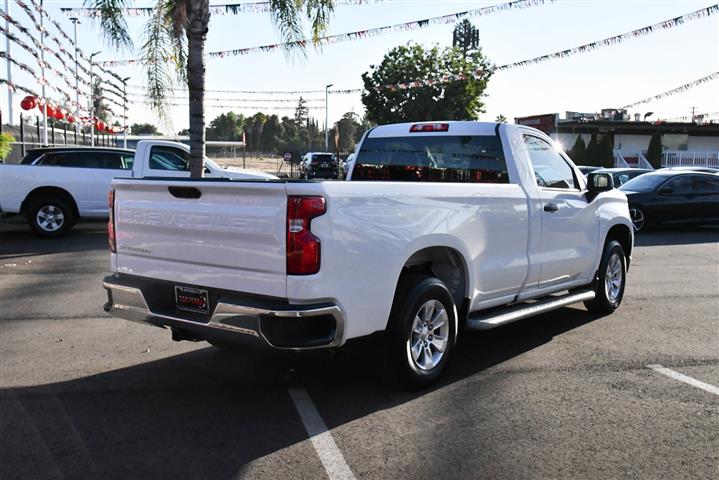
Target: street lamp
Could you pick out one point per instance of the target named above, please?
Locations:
(75, 21)
(124, 111)
(327, 131)
(648, 114)
(92, 100)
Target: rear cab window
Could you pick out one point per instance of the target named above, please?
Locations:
(432, 158)
(90, 159)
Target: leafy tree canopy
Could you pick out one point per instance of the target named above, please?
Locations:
(143, 129)
(457, 100)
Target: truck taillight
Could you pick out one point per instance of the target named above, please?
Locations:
(303, 248)
(111, 221)
(429, 127)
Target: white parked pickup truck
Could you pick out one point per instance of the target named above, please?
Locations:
(53, 187)
(441, 227)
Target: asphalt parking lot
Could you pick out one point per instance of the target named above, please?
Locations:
(564, 395)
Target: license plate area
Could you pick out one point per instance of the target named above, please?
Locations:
(192, 299)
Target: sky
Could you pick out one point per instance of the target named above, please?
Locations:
(605, 78)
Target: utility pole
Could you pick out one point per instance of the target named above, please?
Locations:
(92, 100)
(42, 77)
(75, 21)
(124, 111)
(693, 114)
(9, 64)
(327, 130)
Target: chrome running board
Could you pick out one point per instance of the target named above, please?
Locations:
(487, 321)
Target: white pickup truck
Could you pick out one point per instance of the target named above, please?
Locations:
(441, 227)
(53, 187)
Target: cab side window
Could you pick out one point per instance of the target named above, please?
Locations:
(168, 158)
(550, 169)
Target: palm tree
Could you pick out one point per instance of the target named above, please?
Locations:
(174, 48)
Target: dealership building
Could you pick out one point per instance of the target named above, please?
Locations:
(683, 143)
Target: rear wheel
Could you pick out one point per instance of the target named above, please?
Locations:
(611, 281)
(422, 331)
(51, 217)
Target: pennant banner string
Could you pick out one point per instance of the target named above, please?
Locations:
(682, 88)
(667, 24)
(246, 100)
(372, 32)
(221, 9)
(696, 116)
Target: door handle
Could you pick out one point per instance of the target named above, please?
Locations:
(551, 207)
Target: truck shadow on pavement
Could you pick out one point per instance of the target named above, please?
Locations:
(215, 414)
(675, 236)
(16, 240)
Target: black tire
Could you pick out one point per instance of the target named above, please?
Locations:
(639, 218)
(50, 217)
(413, 293)
(609, 294)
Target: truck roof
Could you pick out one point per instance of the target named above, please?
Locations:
(455, 127)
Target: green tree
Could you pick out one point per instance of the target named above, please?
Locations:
(226, 127)
(592, 157)
(6, 141)
(605, 151)
(174, 47)
(654, 150)
(143, 129)
(500, 119)
(271, 135)
(253, 128)
(302, 113)
(578, 152)
(465, 36)
(348, 127)
(453, 100)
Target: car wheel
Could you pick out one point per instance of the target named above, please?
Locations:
(639, 218)
(612, 278)
(422, 330)
(51, 217)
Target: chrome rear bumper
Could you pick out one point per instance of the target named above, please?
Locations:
(129, 302)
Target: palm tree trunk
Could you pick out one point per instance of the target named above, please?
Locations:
(198, 20)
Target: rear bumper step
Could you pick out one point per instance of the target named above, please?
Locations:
(522, 311)
(294, 327)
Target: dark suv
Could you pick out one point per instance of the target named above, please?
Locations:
(319, 165)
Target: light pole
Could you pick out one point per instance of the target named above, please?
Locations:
(327, 131)
(75, 21)
(92, 100)
(42, 76)
(9, 64)
(124, 111)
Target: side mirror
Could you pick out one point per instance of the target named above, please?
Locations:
(598, 183)
(666, 190)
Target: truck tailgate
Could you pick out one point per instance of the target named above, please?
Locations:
(231, 237)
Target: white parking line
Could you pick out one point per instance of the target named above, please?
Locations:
(325, 446)
(683, 378)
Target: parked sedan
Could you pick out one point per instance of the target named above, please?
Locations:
(623, 175)
(673, 197)
(694, 169)
(587, 169)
